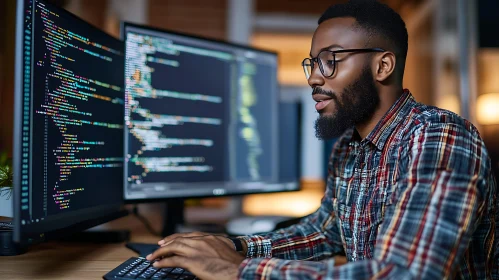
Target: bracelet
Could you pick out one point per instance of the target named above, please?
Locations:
(238, 245)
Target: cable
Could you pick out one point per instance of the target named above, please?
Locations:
(143, 219)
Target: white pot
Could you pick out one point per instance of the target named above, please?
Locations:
(6, 205)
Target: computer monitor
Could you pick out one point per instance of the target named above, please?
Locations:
(290, 140)
(201, 117)
(68, 131)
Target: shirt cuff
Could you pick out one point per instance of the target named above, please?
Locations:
(258, 247)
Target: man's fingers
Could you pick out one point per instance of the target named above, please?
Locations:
(168, 238)
(178, 247)
(177, 235)
(215, 240)
(174, 261)
(204, 268)
(187, 236)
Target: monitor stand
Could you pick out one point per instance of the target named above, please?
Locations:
(173, 217)
(173, 222)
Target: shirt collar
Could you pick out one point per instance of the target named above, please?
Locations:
(389, 122)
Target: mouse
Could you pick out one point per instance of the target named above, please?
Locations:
(253, 225)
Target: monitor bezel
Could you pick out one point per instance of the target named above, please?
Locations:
(71, 222)
(125, 24)
(238, 194)
(123, 33)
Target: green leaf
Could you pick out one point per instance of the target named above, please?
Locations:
(6, 176)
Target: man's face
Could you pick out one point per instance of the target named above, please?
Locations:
(350, 96)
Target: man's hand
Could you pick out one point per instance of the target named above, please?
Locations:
(167, 240)
(206, 256)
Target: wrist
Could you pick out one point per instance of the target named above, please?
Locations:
(236, 242)
(240, 245)
(245, 247)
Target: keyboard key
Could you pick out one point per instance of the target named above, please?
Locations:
(152, 268)
(144, 276)
(147, 274)
(177, 270)
(140, 268)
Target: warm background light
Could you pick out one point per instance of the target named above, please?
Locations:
(488, 109)
(292, 49)
(487, 104)
(293, 204)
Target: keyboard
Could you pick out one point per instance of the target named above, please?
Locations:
(141, 268)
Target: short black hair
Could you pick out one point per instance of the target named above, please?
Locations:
(376, 19)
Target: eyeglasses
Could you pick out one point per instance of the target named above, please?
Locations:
(327, 61)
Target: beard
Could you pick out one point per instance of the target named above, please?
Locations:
(359, 100)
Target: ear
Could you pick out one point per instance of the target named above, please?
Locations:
(385, 66)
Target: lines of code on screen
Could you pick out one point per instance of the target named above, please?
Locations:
(175, 111)
(77, 109)
(254, 109)
(200, 116)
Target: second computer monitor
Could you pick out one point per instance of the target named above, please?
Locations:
(68, 123)
(201, 117)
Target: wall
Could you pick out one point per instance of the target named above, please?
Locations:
(488, 67)
(294, 7)
(191, 16)
(92, 11)
(7, 33)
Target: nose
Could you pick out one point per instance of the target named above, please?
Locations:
(316, 78)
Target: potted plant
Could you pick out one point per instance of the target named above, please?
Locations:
(7, 245)
(5, 186)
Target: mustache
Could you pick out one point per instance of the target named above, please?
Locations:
(318, 90)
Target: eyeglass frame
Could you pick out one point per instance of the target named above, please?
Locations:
(314, 60)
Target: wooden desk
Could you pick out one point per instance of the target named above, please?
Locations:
(68, 260)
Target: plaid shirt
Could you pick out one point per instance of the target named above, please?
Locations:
(414, 199)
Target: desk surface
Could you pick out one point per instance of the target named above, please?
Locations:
(64, 261)
(71, 260)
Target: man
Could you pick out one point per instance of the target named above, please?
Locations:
(410, 192)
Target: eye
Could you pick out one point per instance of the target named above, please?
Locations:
(330, 62)
(327, 58)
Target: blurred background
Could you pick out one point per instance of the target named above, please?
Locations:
(453, 63)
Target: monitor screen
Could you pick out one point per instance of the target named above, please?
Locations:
(289, 141)
(201, 117)
(68, 143)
